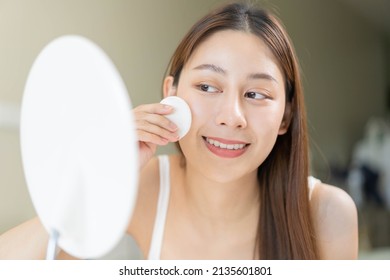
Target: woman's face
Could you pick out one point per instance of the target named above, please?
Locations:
(235, 89)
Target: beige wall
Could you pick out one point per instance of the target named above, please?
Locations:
(138, 35)
(342, 58)
(343, 61)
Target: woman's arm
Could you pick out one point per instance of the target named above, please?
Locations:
(336, 223)
(27, 241)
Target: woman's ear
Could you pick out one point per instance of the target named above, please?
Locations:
(286, 119)
(168, 88)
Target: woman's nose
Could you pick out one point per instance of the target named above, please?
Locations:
(230, 112)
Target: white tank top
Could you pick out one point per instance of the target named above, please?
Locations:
(162, 207)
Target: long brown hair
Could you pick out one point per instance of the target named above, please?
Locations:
(285, 229)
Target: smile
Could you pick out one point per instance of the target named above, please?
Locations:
(225, 148)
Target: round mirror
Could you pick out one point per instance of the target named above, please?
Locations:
(79, 146)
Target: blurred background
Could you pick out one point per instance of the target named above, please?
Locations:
(344, 52)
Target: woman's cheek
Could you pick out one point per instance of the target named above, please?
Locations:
(200, 110)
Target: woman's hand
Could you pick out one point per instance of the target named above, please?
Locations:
(153, 129)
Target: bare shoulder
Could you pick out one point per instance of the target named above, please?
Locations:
(335, 220)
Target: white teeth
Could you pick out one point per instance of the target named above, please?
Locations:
(225, 146)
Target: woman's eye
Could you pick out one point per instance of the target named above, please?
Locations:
(255, 95)
(208, 88)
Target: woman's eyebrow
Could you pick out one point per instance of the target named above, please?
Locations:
(219, 70)
(264, 76)
(211, 67)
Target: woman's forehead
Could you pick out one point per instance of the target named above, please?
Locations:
(230, 49)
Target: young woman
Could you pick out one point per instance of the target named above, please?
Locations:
(239, 188)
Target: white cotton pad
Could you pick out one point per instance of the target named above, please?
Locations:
(181, 115)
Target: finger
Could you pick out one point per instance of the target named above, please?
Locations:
(155, 108)
(145, 125)
(148, 137)
(148, 112)
(158, 120)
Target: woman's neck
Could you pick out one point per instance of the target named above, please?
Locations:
(221, 203)
(217, 220)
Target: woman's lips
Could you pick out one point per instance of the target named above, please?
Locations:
(225, 148)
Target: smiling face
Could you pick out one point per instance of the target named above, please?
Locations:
(235, 89)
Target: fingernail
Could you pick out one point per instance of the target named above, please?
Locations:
(175, 138)
(167, 107)
(172, 126)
